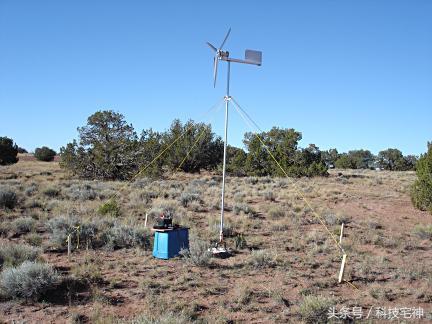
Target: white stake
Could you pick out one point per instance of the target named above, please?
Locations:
(69, 246)
(145, 222)
(341, 233)
(342, 269)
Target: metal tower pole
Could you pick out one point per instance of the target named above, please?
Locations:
(227, 99)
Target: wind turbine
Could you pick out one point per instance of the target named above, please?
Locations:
(251, 57)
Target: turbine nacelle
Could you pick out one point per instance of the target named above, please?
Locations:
(251, 57)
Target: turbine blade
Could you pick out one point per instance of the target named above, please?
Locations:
(215, 67)
(212, 47)
(223, 43)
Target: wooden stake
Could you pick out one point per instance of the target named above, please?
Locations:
(145, 222)
(341, 233)
(342, 269)
(69, 246)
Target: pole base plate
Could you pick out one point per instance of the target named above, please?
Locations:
(220, 251)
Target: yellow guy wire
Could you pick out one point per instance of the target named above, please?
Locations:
(166, 149)
(241, 111)
(195, 143)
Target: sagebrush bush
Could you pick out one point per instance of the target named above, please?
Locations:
(44, 154)
(8, 198)
(12, 254)
(51, 192)
(198, 253)
(23, 225)
(245, 208)
(84, 234)
(423, 231)
(97, 233)
(81, 192)
(314, 309)
(31, 189)
(169, 209)
(187, 197)
(123, 236)
(29, 280)
(262, 259)
(60, 227)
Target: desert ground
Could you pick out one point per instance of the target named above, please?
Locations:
(284, 265)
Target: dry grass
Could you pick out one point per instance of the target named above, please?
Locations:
(283, 253)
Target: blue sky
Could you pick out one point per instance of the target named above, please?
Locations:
(347, 74)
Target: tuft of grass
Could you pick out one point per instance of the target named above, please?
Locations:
(269, 195)
(245, 208)
(29, 280)
(164, 318)
(424, 232)
(8, 198)
(243, 296)
(240, 241)
(33, 239)
(88, 271)
(259, 259)
(12, 255)
(314, 309)
(188, 197)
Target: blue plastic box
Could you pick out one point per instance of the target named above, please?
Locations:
(168, 243)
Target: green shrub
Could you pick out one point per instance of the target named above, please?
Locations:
(12, 254)
(8, 151)
(8, 198)
(109, 208)
(44, 154)
(314, 309)
(421, 192)
(198, 253)
(30, 280)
